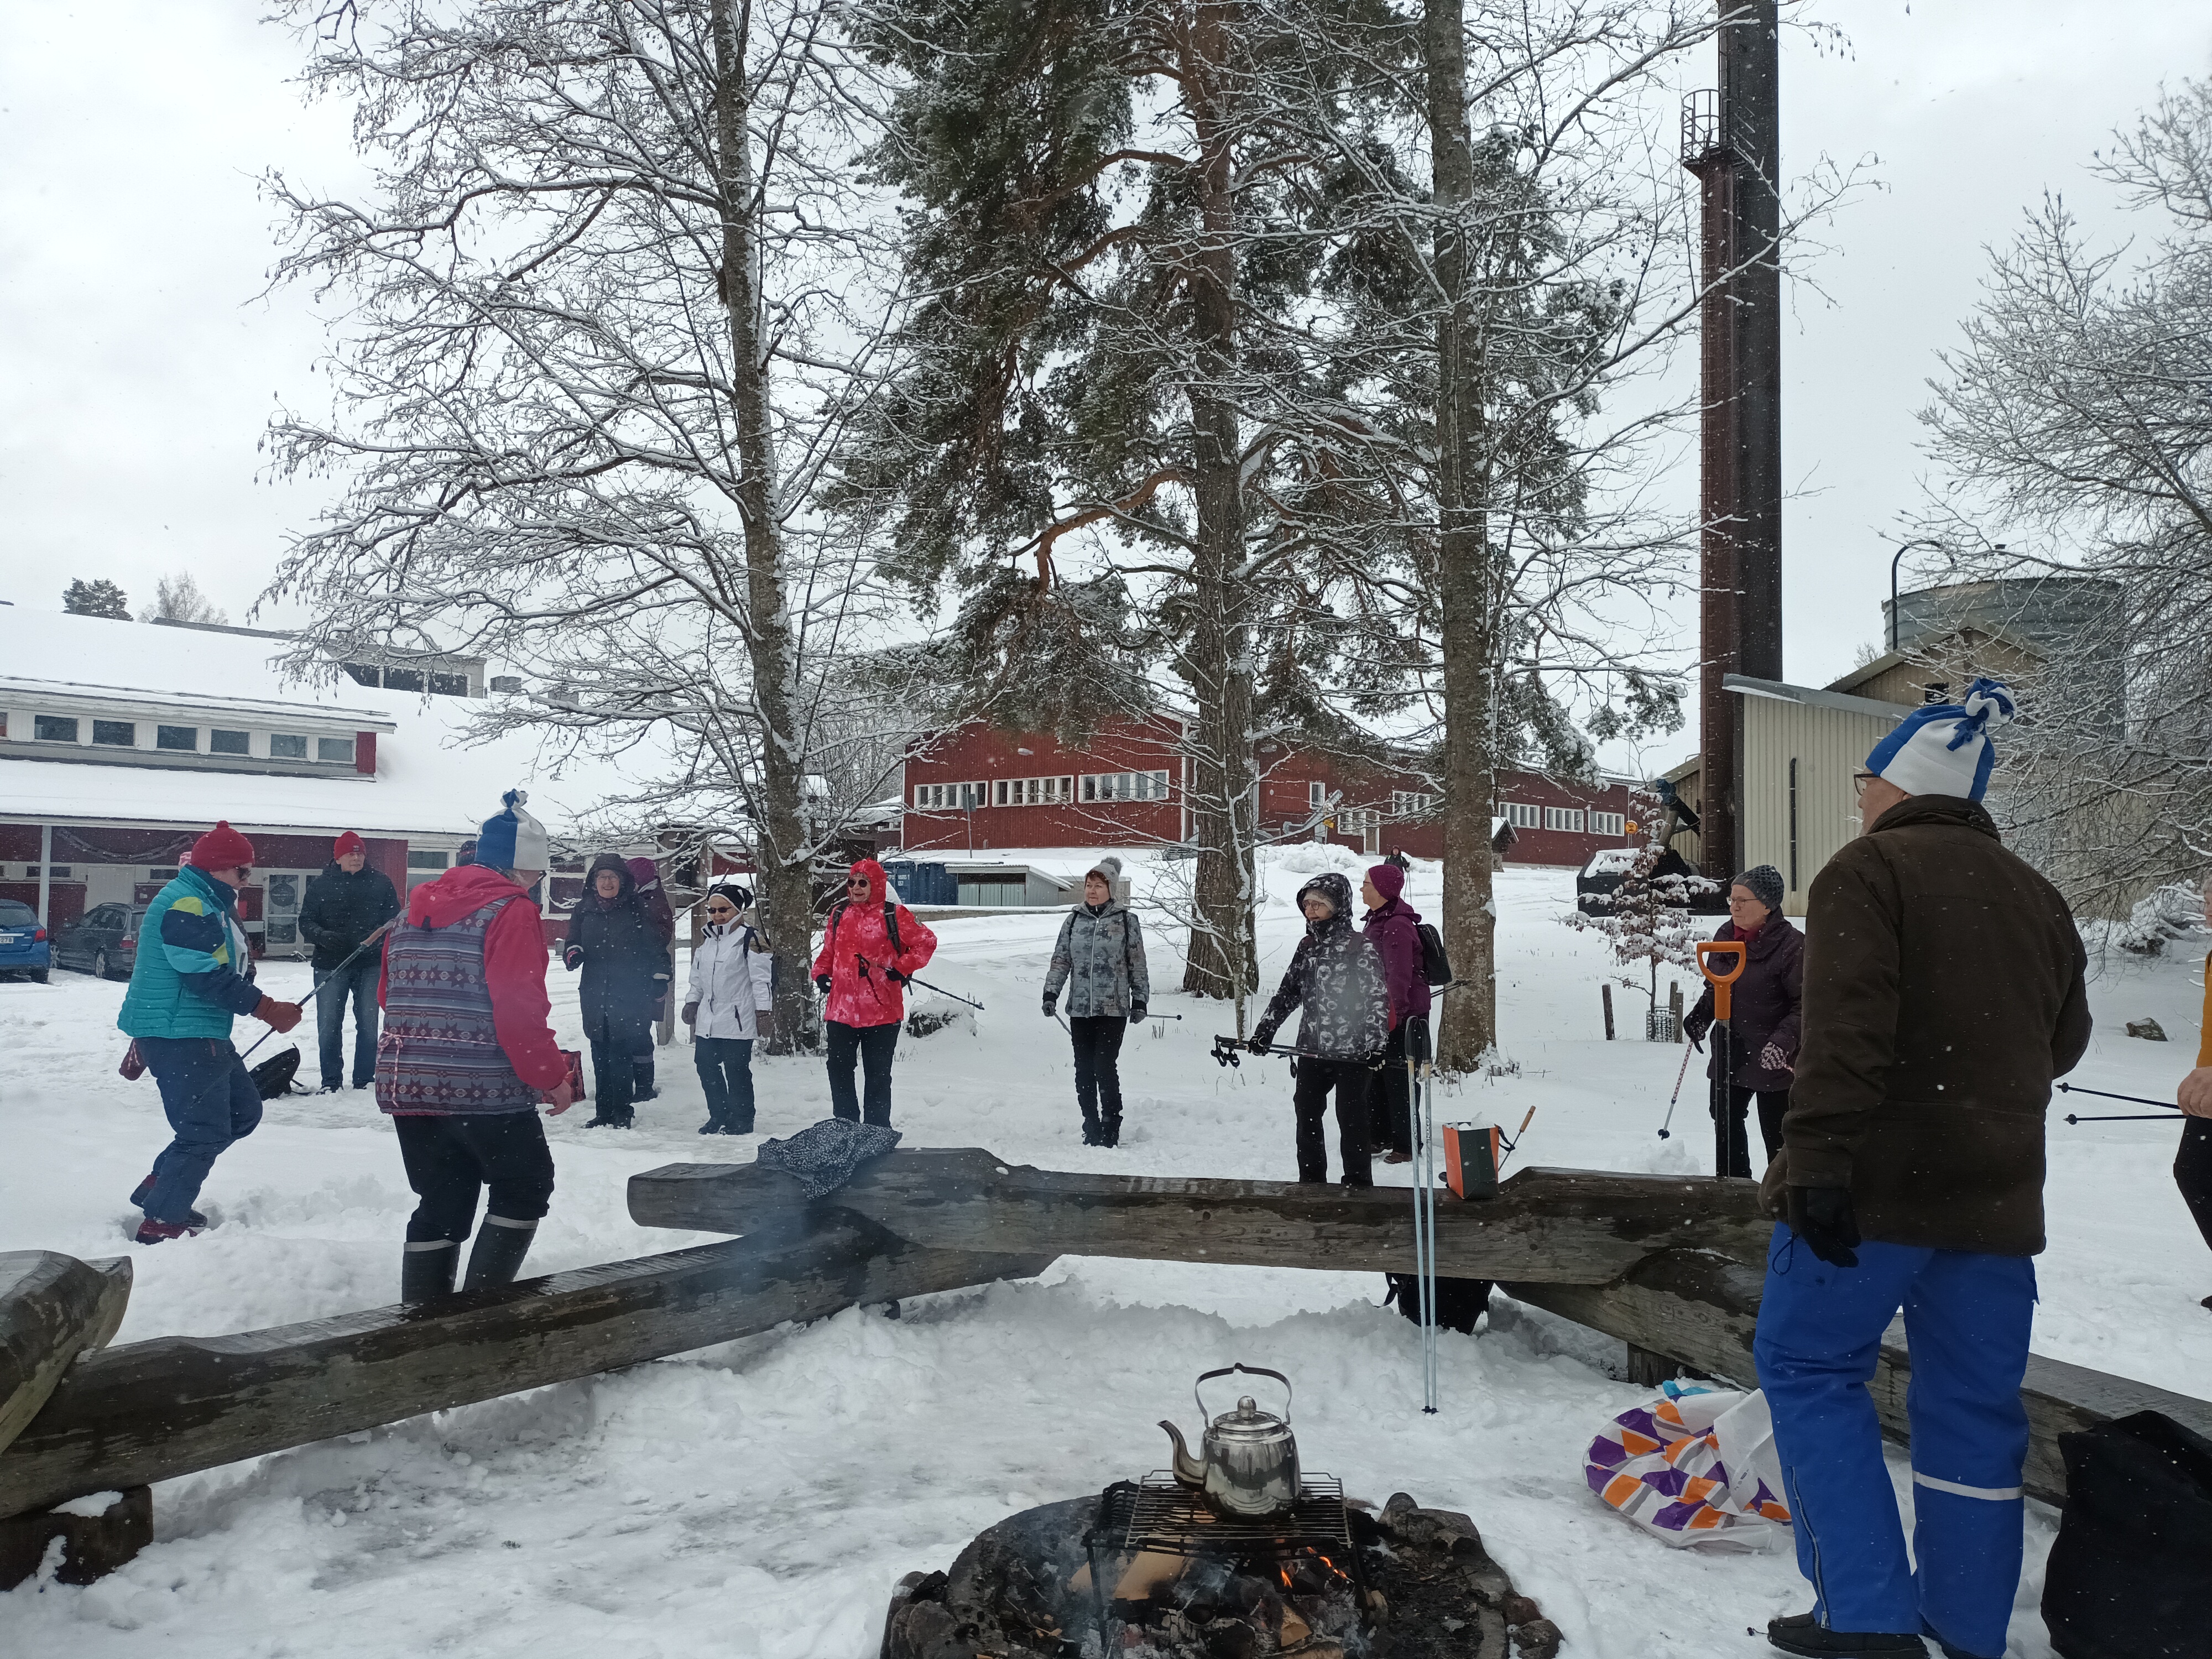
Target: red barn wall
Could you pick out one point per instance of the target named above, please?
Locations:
(981, 756)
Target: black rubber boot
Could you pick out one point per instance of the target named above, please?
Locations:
(1109, 1130)
(427, 1270)
(1801, 1633)
(500, 1246)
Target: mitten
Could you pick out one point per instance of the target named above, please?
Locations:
(1695, 1025)
(284, 1016)
(1051, 1004)
(1263, 1035)
(821, 983)
(1137, 1012)
(690, 1013)
(1825, 1219)
(573, 958)
(1771, 1059)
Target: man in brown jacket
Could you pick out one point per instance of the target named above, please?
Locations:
(1943, 992)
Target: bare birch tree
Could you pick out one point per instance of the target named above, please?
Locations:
(612, 304)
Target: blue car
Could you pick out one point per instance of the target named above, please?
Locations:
(23, 946)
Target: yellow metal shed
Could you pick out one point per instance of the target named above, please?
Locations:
(1801, 748)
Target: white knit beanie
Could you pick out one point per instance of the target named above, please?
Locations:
(1943, 749)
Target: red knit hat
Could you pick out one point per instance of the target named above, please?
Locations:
(349, 842)
(221, 848)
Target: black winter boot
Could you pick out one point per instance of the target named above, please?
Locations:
(427, 1270)
(1093, 1134)
(1110, 1130)
(500, 1246)
(1803, 1634)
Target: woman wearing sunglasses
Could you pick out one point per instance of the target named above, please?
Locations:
(869, 943)
(727, 1006)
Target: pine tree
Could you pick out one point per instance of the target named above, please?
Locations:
(97, 599)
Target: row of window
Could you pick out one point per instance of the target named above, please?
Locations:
(1571, 819)
(408, 679)
(1042, 791)
(185, 739)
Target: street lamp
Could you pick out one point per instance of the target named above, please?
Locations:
(1924, 541)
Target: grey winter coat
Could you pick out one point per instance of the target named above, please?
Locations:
(1100, 958)
(1336, 977)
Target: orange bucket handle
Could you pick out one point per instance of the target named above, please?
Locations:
(1708, 948)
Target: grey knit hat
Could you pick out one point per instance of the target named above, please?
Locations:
(1108, 869)
(1764, 883)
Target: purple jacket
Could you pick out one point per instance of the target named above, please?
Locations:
(1390, 930)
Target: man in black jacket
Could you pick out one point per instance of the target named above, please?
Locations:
(346, 906)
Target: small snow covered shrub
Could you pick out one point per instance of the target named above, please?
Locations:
(2172, 913)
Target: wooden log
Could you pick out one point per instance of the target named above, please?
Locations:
(1572, 1226)
(96, 1538)
(152, 1411)
(53, 1308)
(1704, 1311)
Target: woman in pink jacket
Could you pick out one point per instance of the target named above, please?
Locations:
(869, 943)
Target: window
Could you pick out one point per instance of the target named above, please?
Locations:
(1410, 803)
(1316, 794)
(120, 734)
(1568, 819)
(58, 872)
(419, 859)
(287, 745)
(449, 686)
(1608, 823)
(403, 680)
(949, 797)
(1523, 817)
(54, 728)
(161, 875)
(1032, 792)
(15, 914)
(186, 737)
(221, 742)
(1125, 786)
(337, 751)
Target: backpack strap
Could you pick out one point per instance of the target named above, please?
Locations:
(891, 928)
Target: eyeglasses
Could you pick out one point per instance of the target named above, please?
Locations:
(722, 909)
(858, 881)
(1860, 780)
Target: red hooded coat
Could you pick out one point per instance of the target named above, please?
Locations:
(513, 961)
(855, 931)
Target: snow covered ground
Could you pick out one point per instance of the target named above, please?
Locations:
(762, 1498)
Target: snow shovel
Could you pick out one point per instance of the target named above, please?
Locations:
(1724, 1042)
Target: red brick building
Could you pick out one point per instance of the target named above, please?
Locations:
(979, 788)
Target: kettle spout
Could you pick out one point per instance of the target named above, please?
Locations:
(1188, 1471)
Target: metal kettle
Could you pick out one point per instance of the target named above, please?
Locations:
(1247, 1463)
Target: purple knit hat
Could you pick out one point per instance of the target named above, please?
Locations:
(1389, 880)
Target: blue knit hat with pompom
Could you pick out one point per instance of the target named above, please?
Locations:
(1944, 749)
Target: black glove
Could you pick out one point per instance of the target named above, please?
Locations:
(1051, 1004)
(1263, 1036)
(821, 983)
(1137, 1011)
(1824, 1219)
(1695, 1026)
(894, 975)
(573, 958)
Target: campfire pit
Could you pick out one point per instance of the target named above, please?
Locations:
(1144, 1572)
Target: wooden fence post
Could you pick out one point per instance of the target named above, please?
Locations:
(1607, 991)
(1674, 1006)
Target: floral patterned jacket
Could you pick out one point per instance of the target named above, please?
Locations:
(1336, 978)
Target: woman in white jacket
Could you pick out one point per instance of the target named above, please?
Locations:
(727, 1006)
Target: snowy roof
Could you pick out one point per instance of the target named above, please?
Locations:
(426, 782)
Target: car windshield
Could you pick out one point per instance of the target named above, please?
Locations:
(15, 914)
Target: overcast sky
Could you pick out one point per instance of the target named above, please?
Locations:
(138, 368)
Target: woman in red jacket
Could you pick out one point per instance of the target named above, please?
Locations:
(869, 943)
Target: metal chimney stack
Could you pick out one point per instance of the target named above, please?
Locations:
(1731, 141)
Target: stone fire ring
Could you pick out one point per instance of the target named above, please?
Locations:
(1022, 1590)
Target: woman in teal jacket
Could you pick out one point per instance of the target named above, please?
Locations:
(185, 991)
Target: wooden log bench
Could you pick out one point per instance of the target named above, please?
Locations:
(1565, 1226)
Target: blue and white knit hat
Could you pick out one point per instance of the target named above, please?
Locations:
(1944, 749)
(511, 839)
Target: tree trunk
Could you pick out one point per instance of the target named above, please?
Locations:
(1222, 960)
(780, 847)
(1466, 583)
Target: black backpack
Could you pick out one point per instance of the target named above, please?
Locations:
(890, 923)
(2131, 1575)
(1435, 964)
(273, 1076)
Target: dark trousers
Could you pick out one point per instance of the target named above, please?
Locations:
(211, 1102)
(1098, 1065)
(450, 1159)
(616, 1044)
(726, 1073)
(1350, 1079)
(1772, 1103)
(1391, 1126)
(2192, 1172)
(873, 1046)
(333, 986)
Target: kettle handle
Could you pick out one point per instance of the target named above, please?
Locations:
(1230, 1371)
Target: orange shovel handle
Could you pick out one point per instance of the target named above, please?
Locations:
(1708, 948)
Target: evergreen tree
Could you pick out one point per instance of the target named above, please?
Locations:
(101, 598)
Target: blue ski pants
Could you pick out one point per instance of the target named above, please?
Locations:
(1967, 1319)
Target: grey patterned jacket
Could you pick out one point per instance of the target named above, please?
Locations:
(1336, 978)
(1100, 958)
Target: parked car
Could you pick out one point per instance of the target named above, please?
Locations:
(1703, 896)
(24, 948)
(104, 940)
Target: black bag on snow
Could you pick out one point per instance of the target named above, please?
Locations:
(1435, 966)
(2131, 1575)
(1460, 1301)
(273, 1076)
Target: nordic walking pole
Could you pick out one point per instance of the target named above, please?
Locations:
(2124, 1117)
(1514, 1145)
(1723, 1045)
(1680, 1072)
(908, 979)
(2138, 1099)
(1418, 1072)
